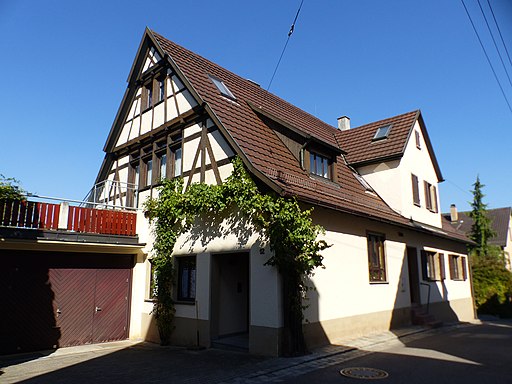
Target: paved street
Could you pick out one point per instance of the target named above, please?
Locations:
(455, 354)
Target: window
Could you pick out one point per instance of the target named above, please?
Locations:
(418, 141)
(319, 165)
(163, 166)
(223, 89)
(431, 197)
(147, 96)
(186, 278)
(382, 133)
(177, 161)
(458, 269)
(147, 177)
(433, 266)
(415, 190)
(376, 258)
(161, 89)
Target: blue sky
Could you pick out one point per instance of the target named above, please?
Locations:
(65, 65)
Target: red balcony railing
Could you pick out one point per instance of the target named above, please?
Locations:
(31, 214)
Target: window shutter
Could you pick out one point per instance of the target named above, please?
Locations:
(453, 265)
(441, 266)
(464, 268)
(434, 199)
(415, 190)
(428, 200)
(424, 265)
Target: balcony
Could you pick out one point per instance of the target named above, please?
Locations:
(64, 218)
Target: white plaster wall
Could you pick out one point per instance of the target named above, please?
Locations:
(383, 175)
(159, 115)
(265, 290)
(418, 162)
(221, 149)
(134, 131)
(138, 306)
(343, 288)
(147, 120)
(122, 161)
(189, 152)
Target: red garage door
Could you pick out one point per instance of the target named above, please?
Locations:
(60, 300)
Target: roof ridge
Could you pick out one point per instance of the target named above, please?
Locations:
(382, 120)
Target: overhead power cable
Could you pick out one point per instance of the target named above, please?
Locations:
(290, 32)
(499, 31)
(487, 56)
(494, 41)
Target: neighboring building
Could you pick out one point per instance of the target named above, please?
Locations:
(501, 223)
(374, 190)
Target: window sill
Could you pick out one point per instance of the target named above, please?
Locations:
(150, 300)
(185, 302)
(378, 282)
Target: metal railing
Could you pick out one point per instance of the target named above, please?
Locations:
(112, 193)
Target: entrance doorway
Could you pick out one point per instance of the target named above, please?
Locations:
(414, 278)
(230, 295)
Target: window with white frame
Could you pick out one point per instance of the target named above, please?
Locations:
(319, 165)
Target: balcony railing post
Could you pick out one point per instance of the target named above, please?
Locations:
(63, 215)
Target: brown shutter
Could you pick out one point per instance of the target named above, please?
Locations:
(428, 198)
(441, 266)
(452, 265)
(415, 190)
(434, 199)
(464, 268)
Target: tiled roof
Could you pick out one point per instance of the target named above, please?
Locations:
(500, 221)
(361, 148)
(262, 146)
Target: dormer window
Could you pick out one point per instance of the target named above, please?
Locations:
(223, 89)
(382, 132)
(319, 165)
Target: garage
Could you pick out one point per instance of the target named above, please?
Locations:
(59, 299)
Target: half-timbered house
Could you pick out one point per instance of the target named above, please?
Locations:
(374, 190)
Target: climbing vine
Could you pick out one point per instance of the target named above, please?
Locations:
(280, 221)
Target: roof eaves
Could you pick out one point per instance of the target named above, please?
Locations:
(430, 147)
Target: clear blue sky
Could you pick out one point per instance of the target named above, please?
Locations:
(64, 67)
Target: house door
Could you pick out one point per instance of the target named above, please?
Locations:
(230, 294)
(414, 280)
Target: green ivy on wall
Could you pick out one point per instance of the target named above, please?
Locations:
(280, 222)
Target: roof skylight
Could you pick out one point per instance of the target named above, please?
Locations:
(223, 89)
(382, 132)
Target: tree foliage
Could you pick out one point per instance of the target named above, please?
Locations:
(279, 221)
(10, 189)
(492, 281)
(481, 230)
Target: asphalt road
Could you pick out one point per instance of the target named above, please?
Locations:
(475, 354)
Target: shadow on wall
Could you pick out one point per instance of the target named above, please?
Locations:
(429, 305)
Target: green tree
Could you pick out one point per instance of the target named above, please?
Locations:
(10, 189)
(481, 230)
(492, 282)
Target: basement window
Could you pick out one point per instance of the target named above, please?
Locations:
(382, 133)
(223, 89)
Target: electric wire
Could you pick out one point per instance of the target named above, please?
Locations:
(494, 41)
(487, 56)
(499, 31)
(290, 32)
